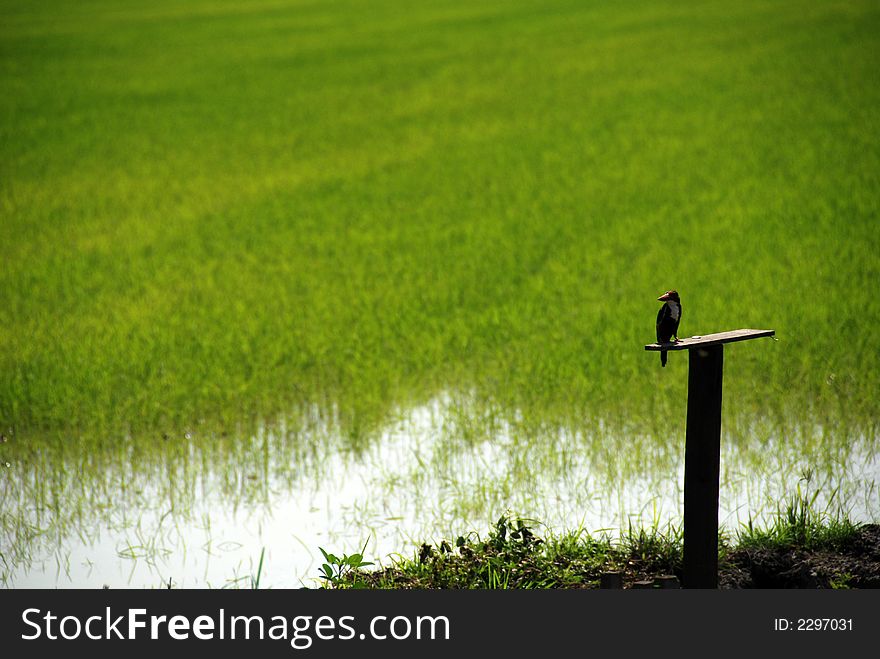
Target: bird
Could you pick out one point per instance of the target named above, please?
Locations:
(668, 319)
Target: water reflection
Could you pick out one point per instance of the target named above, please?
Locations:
(198, 511)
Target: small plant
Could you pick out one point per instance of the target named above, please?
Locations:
(654, 549)
(842, 581)
(341, 572)
(255, 579)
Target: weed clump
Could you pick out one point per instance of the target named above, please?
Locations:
(837, 555)
(513, 556)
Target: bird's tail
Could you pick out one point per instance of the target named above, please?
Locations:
(663, 358)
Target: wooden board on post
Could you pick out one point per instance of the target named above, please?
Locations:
(711, 339)
(702, 453)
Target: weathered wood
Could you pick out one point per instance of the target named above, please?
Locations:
(702, 455)
(645, 583)
(666, 581)
(611, 581)
(711, 339)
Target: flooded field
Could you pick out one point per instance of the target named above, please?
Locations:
(200, 511)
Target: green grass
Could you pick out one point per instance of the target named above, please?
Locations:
(214, 212)
(513, 556)
(800, 522)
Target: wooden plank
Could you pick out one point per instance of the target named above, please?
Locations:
(644, 583)
(666, 581)
(712, 339)
(702, 455)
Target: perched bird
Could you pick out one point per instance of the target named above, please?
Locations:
(667, 320)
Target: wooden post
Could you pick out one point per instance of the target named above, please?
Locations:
(702, 453)
(611, 581)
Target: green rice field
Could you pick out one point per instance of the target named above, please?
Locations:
(255, 250)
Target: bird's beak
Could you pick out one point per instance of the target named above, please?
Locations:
(663, 297)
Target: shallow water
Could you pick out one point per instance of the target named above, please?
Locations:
(199, 521)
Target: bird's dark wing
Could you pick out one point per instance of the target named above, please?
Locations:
(661, 315)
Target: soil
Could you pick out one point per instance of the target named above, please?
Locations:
(857, 565)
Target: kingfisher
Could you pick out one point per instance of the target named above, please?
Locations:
(667, 320)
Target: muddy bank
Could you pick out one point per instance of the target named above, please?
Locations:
(856, 565)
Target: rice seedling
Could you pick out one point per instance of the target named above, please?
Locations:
(800, 522)
(242, 250)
